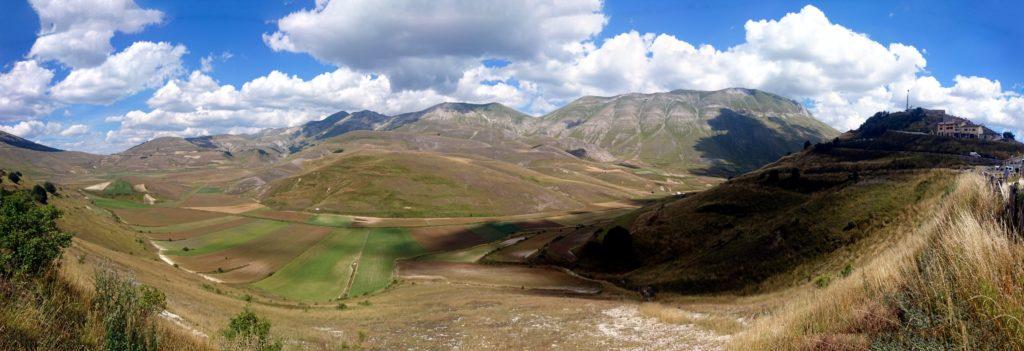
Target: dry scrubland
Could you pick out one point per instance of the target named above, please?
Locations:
(952, 282)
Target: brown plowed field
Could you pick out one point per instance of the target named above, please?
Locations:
(519, 252)
(213, 200)
(445, 238)
(185, 234)
(162, 216)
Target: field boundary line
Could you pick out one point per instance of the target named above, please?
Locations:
(354, 266)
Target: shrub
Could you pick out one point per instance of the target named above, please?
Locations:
(129, 312)
(30, 241)
(50, 188)
(847, 270)
(248, 331)
(822, 281)
(14, 177)
(39, 194)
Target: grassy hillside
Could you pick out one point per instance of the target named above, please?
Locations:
(395, 184)
(400, 174)
(785, 223)
(945, 282)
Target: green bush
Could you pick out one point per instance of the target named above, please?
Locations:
(847, 270)
(50, 188)
(822, 281)
(30, 241)
(249, 331)
(129, 312)
(39, 194)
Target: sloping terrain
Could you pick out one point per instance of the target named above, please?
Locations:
(35, 159)
(377, 175)
(779, 225)
(720, 133)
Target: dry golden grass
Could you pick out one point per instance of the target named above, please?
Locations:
(721, 325)
(56, 312)
(953, 280)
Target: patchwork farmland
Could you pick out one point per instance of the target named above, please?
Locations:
(310, 257)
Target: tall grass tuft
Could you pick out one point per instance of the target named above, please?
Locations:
(954, 280)
(128, 312)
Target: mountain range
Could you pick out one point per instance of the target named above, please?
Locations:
(719, 133)
(450, 158)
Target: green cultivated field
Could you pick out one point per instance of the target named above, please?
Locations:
(331, 220)
(383, 246)
(221, 240)
(209, 190)
(469, 255)
(118, 187)
(321, 272)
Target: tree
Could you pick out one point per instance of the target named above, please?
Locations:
(1008, 136)
(50, 188)
(39, 194)
(807, 144)
(249, 331)
(30, 242)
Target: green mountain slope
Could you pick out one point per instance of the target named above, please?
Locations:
(720, 133)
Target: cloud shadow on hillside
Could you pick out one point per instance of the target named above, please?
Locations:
(743, 143)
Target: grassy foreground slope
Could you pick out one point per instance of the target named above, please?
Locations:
(786, 223)
(949, 282)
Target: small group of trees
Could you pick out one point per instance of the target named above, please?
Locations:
(14, 176)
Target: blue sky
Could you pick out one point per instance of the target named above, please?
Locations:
(278, 63)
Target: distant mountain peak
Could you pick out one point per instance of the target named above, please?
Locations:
(19, 142)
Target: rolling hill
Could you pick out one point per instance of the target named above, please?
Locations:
(36, 159)
(785, 223)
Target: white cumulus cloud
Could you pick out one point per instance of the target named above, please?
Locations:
(141, 66)
(77, 32)
(23, 90)
(421, 44)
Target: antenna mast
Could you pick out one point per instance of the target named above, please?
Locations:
(908, 99)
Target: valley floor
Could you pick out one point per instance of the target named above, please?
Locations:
(424, 315)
